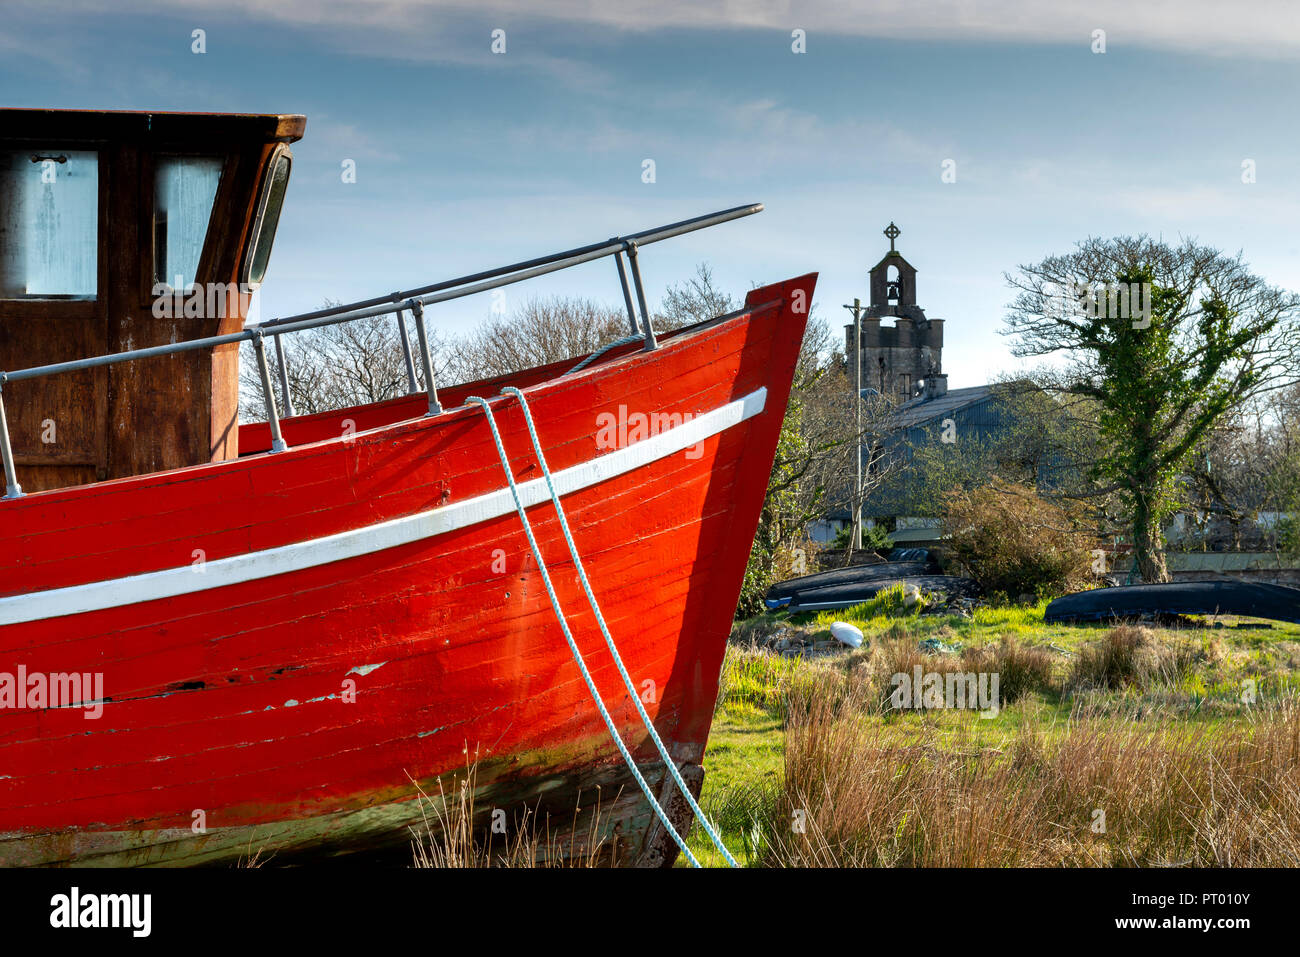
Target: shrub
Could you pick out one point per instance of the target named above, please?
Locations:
(1288, 535)
(874, 538)
(1130, 656)
(1017, 544)
(1020, 669)
(900, 654)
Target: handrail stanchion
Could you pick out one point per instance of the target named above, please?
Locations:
(406, 353)
(12, 488)
(627, 293)
(282, 360)
(272, 416)
(650, 343)
(417, 310)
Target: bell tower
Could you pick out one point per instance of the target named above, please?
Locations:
(902, 360)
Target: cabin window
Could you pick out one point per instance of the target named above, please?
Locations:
(49, 224)
(185, 187)
(269, 204)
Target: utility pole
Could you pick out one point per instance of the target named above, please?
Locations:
(856, 534)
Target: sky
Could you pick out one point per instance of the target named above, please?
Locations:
(467, 159)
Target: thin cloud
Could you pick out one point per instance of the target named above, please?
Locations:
(1268, 28)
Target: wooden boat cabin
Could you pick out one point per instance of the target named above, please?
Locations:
(122, 231)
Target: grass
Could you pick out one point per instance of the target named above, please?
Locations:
(452, 835)
(1124, 746)
(986, 624)
(746, 759)
(1108, 792)
(1115, 746)
(1275, 646)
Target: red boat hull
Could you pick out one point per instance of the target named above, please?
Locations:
(291, 643)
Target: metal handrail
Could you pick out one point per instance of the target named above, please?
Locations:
(642, 238)
(413, 299)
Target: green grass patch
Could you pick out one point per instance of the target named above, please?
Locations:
(743, 765)
(745, 761)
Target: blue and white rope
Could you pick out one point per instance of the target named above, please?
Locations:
(568, 635)
(625, 341)
(609, 640)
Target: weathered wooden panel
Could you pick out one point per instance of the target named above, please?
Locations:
(155, 414)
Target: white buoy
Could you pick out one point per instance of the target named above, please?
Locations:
(846, 634)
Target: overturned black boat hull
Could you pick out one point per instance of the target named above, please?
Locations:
(845, 596)
(782, 593)
(1230, 597)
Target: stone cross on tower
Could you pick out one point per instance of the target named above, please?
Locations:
(893, 232)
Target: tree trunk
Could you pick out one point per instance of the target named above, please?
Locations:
(1148, 542)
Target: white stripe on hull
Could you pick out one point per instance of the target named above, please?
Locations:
(218, 573)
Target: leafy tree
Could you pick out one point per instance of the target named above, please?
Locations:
(1212, 336)
(874, 537)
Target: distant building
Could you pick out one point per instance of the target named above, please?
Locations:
(902, 364)
(976, 415)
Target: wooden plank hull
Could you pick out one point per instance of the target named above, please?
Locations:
(289, 644)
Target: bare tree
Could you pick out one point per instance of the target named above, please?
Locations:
(1248, 465)
(540, 331)
(360, 362)
(835, 432)
(693, 300)
(550, 329)
(334, 367)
